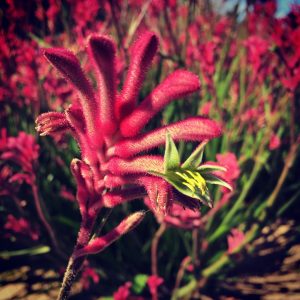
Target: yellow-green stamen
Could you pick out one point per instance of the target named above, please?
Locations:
(193, 180)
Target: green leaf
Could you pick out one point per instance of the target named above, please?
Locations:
(29, 251)
(186, 184)
(195, 159)
(211, 168)
(171, 157)
(213, 179)
(139, 283)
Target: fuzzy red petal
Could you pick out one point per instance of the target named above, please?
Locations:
(98, 244)
(114, 198)
(192, 129)
(159, 192)
(51, 123)
(179, 84)
(102, 50)
(67, 63)
(142, 54)
(141, 164)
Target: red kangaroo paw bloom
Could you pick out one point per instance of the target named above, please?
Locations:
(107, 125)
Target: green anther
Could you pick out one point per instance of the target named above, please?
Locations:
(195, 180)
(199, 181)
(183, 176)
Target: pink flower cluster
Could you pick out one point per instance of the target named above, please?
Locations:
(20, 226)
(22, 151)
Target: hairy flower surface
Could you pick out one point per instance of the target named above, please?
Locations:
(108, 124)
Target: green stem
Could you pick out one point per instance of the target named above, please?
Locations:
(224, 224)
(154, 247)
(41, 216)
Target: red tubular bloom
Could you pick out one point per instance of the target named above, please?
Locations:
(113, 181)
(159, 192)
(99, 244)
(107, 125)
(179, 84)
(191, 129)
(114, 198)
(86, 193)
(67, 63)
(140, 164)
(102, 50)
(52, 123)
(142, 54)
(107, 128)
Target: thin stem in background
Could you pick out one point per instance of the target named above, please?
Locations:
(103, 221)
(40, 213)
(116, 23)
(154, 247)
(184, 264)
(170, 31)
(196, 250)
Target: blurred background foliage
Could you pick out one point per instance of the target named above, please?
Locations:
(247, 56)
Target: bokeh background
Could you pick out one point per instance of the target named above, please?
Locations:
(247, 56)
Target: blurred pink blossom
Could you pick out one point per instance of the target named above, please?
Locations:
(235, 239)
(89, 274)
(20, 226)
(123, 292)
(206, 108)
(229, 161)
(154, 282)
(178, 216)
(275, 142)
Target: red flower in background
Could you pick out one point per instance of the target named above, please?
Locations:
(235, 240)
(275, 142)
(22, 151)
(153, 283)
(178, 216)
(89, 274)
(229, 161)
(123, 292)
(20, 226)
